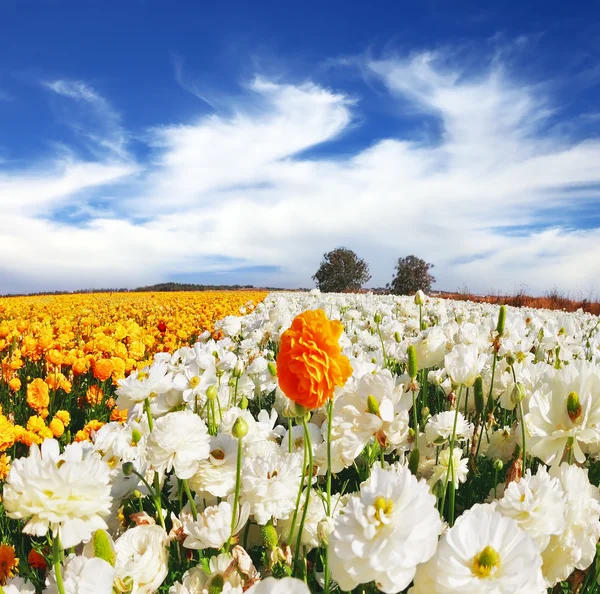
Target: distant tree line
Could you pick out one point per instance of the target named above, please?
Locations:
(341, 270)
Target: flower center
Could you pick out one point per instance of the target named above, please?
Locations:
(485, 563)
(142, 375)
(218, 454)
(573, 406)
(194, 381)
(383, 509)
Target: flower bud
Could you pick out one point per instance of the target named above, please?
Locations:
(413, 368)
(397, 336)
(269, 536)
(498, 465)
(324, 529)
(128, 468)
(419, 297)
(425, 414)
(211, 392)
(295, 410)
(103, 548)
(240, 428)
(377, 318)
(372, 405)
(136, 435)
(478, 389)
(238, 370)
(272, 368)
(244, 402)
(518, 393)
(573, 406)
(510, 359)
(413, 461)
(501, 319)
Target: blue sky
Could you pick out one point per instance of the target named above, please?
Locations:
(236, 142)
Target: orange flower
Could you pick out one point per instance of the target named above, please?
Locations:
(35, 560)
(8, 562)
(103, 369)
(4, 466)
(94, 395)
(80, 366)
(38, 395)
(14, 384)
(119, 416)
(310, 363)
(64, 416)
(7, 433)
(57, 427)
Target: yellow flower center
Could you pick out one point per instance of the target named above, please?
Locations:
(485, 563)
(194, 381)
(383, 508)
(142, 375)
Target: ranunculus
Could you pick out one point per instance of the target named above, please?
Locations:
(310, 363)
(142, 557)
(38, 394)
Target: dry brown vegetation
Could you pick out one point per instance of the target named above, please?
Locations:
(552, 300)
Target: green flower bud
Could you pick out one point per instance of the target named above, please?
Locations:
(377, 318)
(269, 536)
(238, 370)
(397, 336)
(244, 402)
(324, 529)
(478, 389)
(518, 393)
(272, 369)
(372, 405)
(128, 468)
(419, 297)
(573, 406)
(425, 412)
(136, 435)
(423, 325)
(413, 368)
(240, 428)
(413, 461)
(212, 392)
(103, 548)
(498, 464)
(510, 359)
(501, 319)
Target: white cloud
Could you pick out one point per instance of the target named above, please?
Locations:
(236, 185)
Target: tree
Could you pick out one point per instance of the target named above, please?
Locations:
(341, 270)
(411, 274)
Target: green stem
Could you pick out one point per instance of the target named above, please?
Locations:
(157, 501)
(450, 473)
(382, 345)
(290, 425)
(149, 414)
(186, 488)
(236, 496)
(308, 488)
(56, 562)
(298, 497)
(523, 436)
(328, 502)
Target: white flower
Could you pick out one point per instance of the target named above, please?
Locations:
(139, 385)
(566, 407)
(575, 546)
(286, 585)
(68, 493)
(270, 484)
(502, 443)
(463, 364)
(537, 504)
(440, 470)
(431, 349)
(223, 574)
(439, 428)
(216, 474)
(18, 585)
(384, 531)
(194, 381)
(83, 575)
(142, 557)
(212, 528)
(179, 440)
(483, 552)
(316, 512)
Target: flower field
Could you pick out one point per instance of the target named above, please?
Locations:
(319, 442)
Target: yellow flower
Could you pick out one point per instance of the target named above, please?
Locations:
(7, 433)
